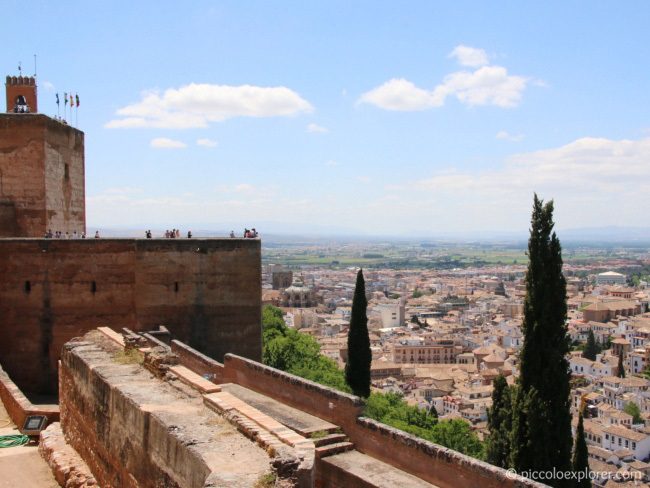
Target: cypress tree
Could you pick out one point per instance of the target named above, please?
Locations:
(357, 369)
(580, 461)
(621, 367)
(500, 424)
(591, 349)
(541, 436)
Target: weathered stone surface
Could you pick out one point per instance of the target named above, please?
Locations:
(207, 292)
(69, 470)
(135, 430)
(41, 176)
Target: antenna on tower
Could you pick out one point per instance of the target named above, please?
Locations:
(34, 65)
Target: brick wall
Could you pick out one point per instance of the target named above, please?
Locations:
(198, 362)
(41, 176)
(431, 462)
(206, 291)
(334, 406)
(19, 407)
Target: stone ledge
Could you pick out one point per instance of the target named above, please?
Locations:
(194, 380)
(446, 455)
(69, 470)
(111, 334)
(284, 377)
(18, 405)
(296, 462)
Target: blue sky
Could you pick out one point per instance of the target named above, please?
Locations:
(388, 118)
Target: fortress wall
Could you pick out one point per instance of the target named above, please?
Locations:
(22, 166)
(431, 462)
(19, 407)
(41, 176)
(118, 437)
(65, 201)
(434, 463)
(326, 403)
(198, 362)
(206, 291)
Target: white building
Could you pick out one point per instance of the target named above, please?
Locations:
(392, 314)
(610, 278)
(616, 437)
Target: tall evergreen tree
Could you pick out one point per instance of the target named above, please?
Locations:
(580, 461)
(357, 369)
(621, 366)
(541, 436)
(499, 424)
(591, 349)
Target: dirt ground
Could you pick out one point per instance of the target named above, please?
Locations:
(22, 466)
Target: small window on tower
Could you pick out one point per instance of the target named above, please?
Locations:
(66, 171)
(28, 287)
(93, 287)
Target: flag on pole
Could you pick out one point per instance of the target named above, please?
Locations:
(65, 99)
(71, 100)
(57, 99)
(77, 97)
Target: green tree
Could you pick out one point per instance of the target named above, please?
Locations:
(621, 366)
(541, 437)
(499, 424)
(632, 409)
(580, 460)
(296, 353)
(591, 349)
(357, 368)
(391, 409)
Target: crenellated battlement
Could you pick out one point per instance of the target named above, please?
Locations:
(20, 80)
(21, 94)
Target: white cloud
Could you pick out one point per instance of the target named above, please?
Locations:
(331, 163)
(469, 56)
(316, 128)
(244, 188)
(48, 86)
(165, 143)
(588, 165)
(594, 182)
(196, 105)
(506, 136)
(400, 94)
(487, 85)
(206, 142)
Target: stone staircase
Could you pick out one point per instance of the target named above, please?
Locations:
(333, 442)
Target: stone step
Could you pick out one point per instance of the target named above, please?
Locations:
(308, 432)
(194, 380)
(332, 449)
(329, 439)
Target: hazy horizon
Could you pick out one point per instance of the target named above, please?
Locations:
(363, 117)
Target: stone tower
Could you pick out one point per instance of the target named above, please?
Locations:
(21, 94)
(42, 181)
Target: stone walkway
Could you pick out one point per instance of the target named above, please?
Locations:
(295, 419)
(371, 472)
(22, 466)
